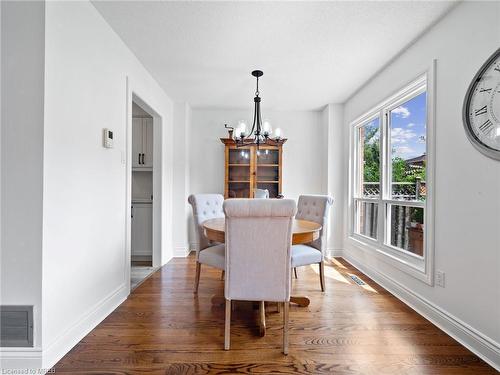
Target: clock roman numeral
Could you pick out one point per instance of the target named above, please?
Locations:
(497, 69)
(485, 90)
(480, 111)
(487, 127)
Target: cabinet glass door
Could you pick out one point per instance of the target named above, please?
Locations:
(268, 171)
(239, 180)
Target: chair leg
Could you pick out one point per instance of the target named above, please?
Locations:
(286, 306)
(223, 275)
(197, 277)
(322, 275)
(295, 272)
(227, 326)
(262, 312)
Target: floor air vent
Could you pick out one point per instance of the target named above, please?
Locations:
(16, 326)
(357, 280)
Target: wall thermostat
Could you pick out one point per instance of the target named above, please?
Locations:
(107, 141)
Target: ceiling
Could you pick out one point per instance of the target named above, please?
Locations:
(312, 53)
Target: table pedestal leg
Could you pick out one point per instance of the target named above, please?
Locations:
(302, 301)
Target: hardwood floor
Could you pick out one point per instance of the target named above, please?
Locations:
(163, 328)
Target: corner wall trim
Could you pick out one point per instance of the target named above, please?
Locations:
(181, 252)
(65, 342)
(480, 344)
(334, 253)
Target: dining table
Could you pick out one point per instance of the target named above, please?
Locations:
(303, 231)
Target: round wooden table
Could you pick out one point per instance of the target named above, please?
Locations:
(303, 231)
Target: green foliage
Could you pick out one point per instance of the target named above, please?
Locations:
(417, 215)
(401, 171)
(399, 168)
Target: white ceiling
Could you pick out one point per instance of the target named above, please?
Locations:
(312, 53)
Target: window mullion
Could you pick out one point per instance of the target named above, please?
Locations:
(383, 172)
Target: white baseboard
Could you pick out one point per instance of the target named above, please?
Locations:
(66, 341)
(20, 358)
(180, 252)
(331, 253)
(480, 344)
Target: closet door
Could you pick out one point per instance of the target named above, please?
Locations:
(147, 124)
(142, 229)
(137, 142)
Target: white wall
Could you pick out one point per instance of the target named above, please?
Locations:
(22, 75)
(85, 186)
(467, 216)
(333, 120)
(181, 209)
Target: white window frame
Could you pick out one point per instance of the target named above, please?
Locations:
(421, 267)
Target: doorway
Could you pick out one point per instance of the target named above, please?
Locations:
(142, 217)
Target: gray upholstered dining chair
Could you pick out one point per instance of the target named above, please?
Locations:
(258, 255)
(261, 193)
(205, 207)
(314, 208)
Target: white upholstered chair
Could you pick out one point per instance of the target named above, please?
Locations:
(205, 207)
(258, 255)
(261, 193)
(313, 208)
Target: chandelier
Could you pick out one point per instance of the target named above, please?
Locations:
(261, 132)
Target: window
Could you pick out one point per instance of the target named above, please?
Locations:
(368, 153)
(389, 177)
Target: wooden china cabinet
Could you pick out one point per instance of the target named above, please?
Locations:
(248, 168)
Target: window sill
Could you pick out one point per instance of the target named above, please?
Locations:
(408, 263)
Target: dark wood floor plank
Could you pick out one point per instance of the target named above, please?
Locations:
(162, 328)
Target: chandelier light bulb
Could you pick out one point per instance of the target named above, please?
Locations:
(266, 127)
(278, 133)
(242, 129)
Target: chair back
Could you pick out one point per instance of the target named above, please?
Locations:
(316, 208)
(258, 243)
(205, 206)
(261, 193)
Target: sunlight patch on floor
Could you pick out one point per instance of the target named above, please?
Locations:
(337, 263)
(331, 273)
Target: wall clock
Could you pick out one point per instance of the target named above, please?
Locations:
(481, 112)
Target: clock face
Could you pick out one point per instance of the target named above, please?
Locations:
(482, 108)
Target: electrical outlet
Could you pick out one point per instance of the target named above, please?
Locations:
(440, 278)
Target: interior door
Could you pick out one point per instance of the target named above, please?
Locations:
(137, 142)
(148, 142)
(142, 229)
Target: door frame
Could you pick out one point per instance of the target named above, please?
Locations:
(133, 96)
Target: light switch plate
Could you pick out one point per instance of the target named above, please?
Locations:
(107, 138)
